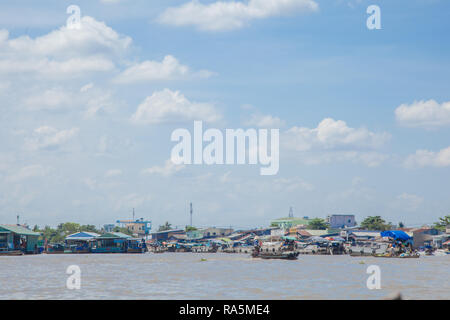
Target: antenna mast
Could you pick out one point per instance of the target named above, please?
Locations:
(191, 212)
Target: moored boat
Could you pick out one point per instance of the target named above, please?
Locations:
(11, 253)
(288, 255)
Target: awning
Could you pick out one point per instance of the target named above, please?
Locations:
(396, 234)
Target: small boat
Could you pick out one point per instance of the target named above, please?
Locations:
(402, 256)
(11, 253)
(291, 255)
(56, 248)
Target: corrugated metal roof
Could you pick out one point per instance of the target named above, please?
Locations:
(113, 235)
(82, 236)
(19, 230)
(316, 232)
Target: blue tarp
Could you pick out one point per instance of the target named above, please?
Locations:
(396, 234)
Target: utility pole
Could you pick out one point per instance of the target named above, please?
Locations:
(191, 213)
(133, 214)
(291, 212)
(18, 220)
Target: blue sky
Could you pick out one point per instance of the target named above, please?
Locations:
(364, 115)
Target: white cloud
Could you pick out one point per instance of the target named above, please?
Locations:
(369, 158)
(47, 137)
(425, 114)
(410, 202)
(100, 102)
(168, 169)
(63, 52)
(291, 184)
(332, 140)
(168, 106)
(264, 121)
(168, 69)
(132, 201)
(50, 99)
(87, 87)
(230, 15)
(110, 1)
(333, 134)
(113, 173)
(426, 158)
(28, 172)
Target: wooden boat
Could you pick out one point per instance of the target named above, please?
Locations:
(56, 248)
(401, 256)
(136, 250)
(11, 253)
(284, 255)
(281, 255)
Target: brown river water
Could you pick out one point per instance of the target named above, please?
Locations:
(221, 276)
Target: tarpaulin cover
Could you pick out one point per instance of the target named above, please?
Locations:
(396, 234)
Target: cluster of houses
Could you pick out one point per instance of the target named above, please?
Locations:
(18, 239)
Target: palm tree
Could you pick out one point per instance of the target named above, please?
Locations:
(165, 227)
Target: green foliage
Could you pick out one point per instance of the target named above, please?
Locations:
(190, 228)
(165, 227)
(375, 223)
(317, 224)
(401, 225)
(123, 230)
(442, 223)
(62, 231)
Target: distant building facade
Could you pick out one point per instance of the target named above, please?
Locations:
(424, 236)
(287, 223)
(338, 221)
(109, 227)
(165, 235)
(216, 232)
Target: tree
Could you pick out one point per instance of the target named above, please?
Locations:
(123, 230)
(317, 224)
(401, 225)
(190, 228)
(89, 228)
(165, 227)
(69, 227)
(442, 223)
(375, 223)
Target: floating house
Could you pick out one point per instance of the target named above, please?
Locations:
(18, 239)
(112, 242)
(80, 242)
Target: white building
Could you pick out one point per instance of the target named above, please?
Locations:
(341, 221)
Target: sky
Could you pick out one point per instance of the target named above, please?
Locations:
(87, 114)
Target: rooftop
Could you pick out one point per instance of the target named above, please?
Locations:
(18, 230)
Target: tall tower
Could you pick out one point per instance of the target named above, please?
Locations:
(291, 212)
(191, 213)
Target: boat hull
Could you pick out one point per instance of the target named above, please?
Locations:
(11, 253)
(282, 256)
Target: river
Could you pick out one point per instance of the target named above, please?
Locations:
(221, 276)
